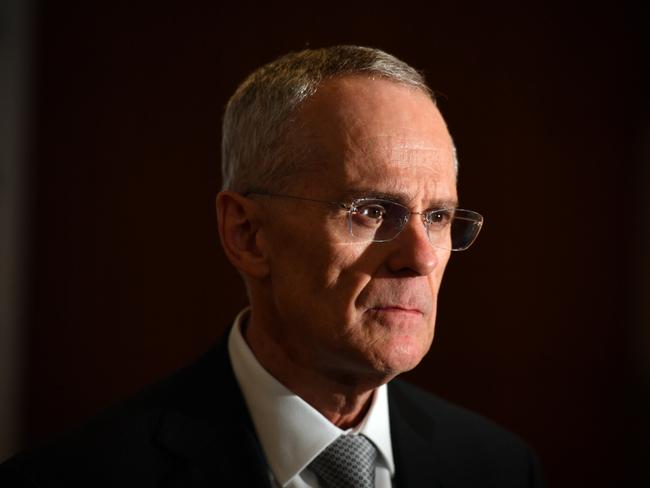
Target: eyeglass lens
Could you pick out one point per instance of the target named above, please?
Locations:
(383, 220)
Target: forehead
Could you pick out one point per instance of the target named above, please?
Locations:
(379, 135)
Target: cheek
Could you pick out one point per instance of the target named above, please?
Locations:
(308, 262)
(344, 270)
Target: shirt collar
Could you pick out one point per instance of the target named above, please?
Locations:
(292, 432)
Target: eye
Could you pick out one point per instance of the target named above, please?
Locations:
(370, 214)
(439, 217)
(372, 211)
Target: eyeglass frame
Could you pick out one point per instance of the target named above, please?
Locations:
(350, 208)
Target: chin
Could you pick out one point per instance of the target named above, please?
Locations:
(400, 355)
(404, 343)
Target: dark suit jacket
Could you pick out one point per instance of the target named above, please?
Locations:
(193, 430)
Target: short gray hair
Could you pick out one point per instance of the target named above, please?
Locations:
(256, 152)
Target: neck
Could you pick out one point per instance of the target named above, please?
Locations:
(343, 399)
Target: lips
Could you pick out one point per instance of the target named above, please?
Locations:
(413, 306)
(420, 304)
(397, 309)
(409, 296)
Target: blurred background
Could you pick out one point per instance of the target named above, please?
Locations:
(111, 274)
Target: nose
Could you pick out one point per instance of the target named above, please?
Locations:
(412, 252)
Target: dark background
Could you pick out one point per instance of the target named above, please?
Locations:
(543, 324)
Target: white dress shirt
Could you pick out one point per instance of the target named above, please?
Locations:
(292, 432)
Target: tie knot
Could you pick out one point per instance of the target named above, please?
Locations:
(348, 462)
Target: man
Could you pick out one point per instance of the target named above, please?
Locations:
(339, 210)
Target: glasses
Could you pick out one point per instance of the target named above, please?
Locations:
(379, 220)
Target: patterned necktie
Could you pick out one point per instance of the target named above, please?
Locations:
(348, 462)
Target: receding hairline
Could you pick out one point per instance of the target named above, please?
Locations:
(262, 116)
(302, 127)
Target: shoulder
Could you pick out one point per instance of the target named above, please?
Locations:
(143, 437)
(417, 403)
(465, 445)
(119, 439)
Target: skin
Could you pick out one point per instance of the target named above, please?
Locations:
(333, 318)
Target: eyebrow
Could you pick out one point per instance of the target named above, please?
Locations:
(398, 197)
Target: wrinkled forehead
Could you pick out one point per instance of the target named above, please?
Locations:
(400, 152)
(409, 171)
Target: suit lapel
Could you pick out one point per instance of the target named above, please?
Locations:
(412, 434)
(207, 428)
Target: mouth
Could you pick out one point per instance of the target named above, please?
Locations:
(396, 309)
(398, 319)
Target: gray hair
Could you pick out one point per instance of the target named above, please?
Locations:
(256, 148)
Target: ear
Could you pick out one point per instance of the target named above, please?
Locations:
(239, 233)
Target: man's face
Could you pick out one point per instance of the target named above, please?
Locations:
(341, 307)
